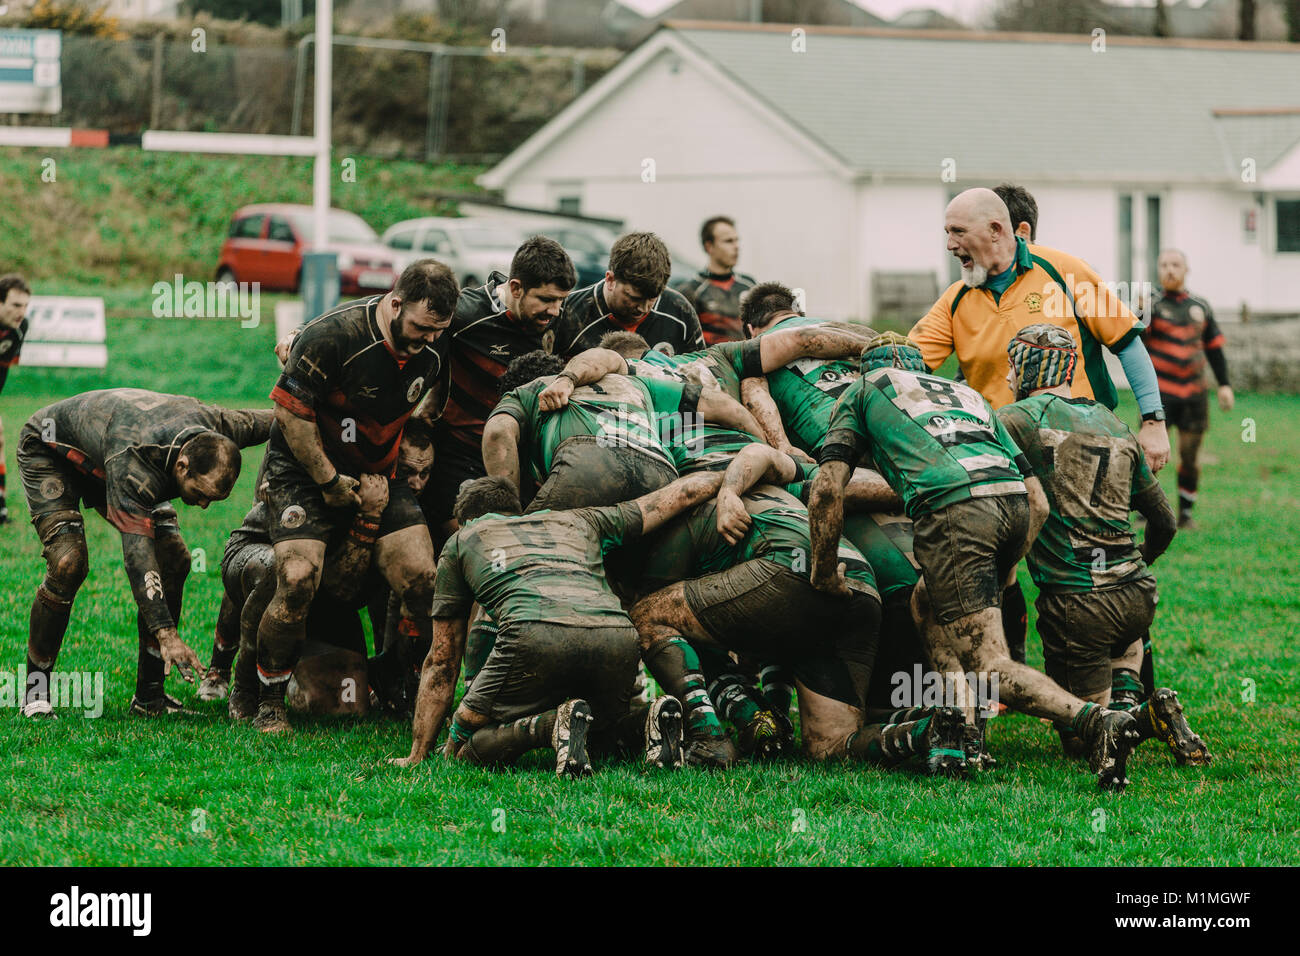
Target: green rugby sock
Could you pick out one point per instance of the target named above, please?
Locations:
(737, 698)
(892, 743)
(1125, 690)
(676, 666)
(506, 743)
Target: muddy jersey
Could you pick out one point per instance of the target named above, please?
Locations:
(691, 545)
(1180, 336)
(11, 344)
(483, 340)
(716, 300)
(126, 440)
(720, 366)
(935, 441)
(625, 412)
(1091, 468)
(805, 391)
(543, 567)
(671, 324)
(346, 378)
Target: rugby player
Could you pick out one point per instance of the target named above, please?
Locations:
(1182, 337)
(563, 665)
(631, 298)
(1097, 596)
(494, 325)
(716, 290)
(1005, 285)
(803, 391)
(976, 509)
(15, 295)
(604, 442)
(353, 377)
(741, 572)
(333, 625)
(1022, 208)
(126, 453)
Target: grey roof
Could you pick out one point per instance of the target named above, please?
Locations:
(899, 104)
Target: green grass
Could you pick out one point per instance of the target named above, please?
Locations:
(122, 791)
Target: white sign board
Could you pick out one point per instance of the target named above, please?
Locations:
(65, 332)
(29, 71)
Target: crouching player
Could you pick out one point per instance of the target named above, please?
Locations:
(1097, 596)
(961, 478)
(563, 663)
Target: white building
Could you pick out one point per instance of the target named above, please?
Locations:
(837, 149)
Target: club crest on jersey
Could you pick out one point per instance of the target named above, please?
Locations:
(1034, 302)
(293, 516)
(6, 345)
(413, 393)
(548, 341)
(665, 347)
(1197, 313)
(52, 488)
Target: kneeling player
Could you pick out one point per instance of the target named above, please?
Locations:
(1097, 596)
(563, 664)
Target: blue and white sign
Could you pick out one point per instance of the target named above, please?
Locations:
(29, 71)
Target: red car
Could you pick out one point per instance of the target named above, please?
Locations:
(266, 242)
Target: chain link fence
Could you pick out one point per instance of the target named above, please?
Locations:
(431, 103)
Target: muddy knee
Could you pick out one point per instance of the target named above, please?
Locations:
(417, 595)
(295, 585)
(66, 560)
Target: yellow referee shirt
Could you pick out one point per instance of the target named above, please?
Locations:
(1049, 286)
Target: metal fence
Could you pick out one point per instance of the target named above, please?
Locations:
(391, 98)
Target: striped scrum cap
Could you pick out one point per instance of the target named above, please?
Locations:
(1043, 356)
(891, 350)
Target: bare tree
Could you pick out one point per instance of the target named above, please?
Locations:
(1246, 20)
(1161, 28)
(1293, 20)
(1051, 16)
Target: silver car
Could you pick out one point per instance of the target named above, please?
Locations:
(471, 248)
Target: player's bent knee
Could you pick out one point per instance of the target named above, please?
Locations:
(66, 564)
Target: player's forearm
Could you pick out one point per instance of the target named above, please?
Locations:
(247, 426)
(345, 573)
(660, 507)
(1218, 364)
(821, 342)
(591, 366)
(437, 684)
(432, 404)
(826, 516)
(1038, 511)
(303, 439)
(755, 464)
(1162, 524)
(719, 408)
(501, 448)
(758, 399)
(143, 573)
(1141, 375)
(867, 490)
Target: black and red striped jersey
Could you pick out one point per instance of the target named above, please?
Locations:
(126, 441)
(483, 340)
(1180, 334)
(671, 325)
(716, 300)
(343, 375)
(11, 344)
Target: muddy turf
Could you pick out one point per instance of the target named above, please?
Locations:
(118, 790)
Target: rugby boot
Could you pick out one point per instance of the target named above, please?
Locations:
(1162, 718)
(272, 718)
(762, 738)
(663, 733)
(215, 684)
(944, 743)
(708, 750)
(39, 709)
(1114, 736)
(569, 738)
(975, 739)
(166, 704)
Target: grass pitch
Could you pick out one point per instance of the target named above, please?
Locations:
(201, 792)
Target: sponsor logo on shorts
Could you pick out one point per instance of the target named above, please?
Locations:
(413, 393)
(293, 516)
(52, 488)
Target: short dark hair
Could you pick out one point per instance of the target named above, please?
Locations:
(417, 433)
(641, 259)
(764, 300)
(527, 367)
(12, 280)
(486, 495)
(627, 344)
(1022, 206)
(542, 261)
(706, 230)
(212, 453)
(430, 283)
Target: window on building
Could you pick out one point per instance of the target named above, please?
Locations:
(1288, 225)
(1125, 238)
